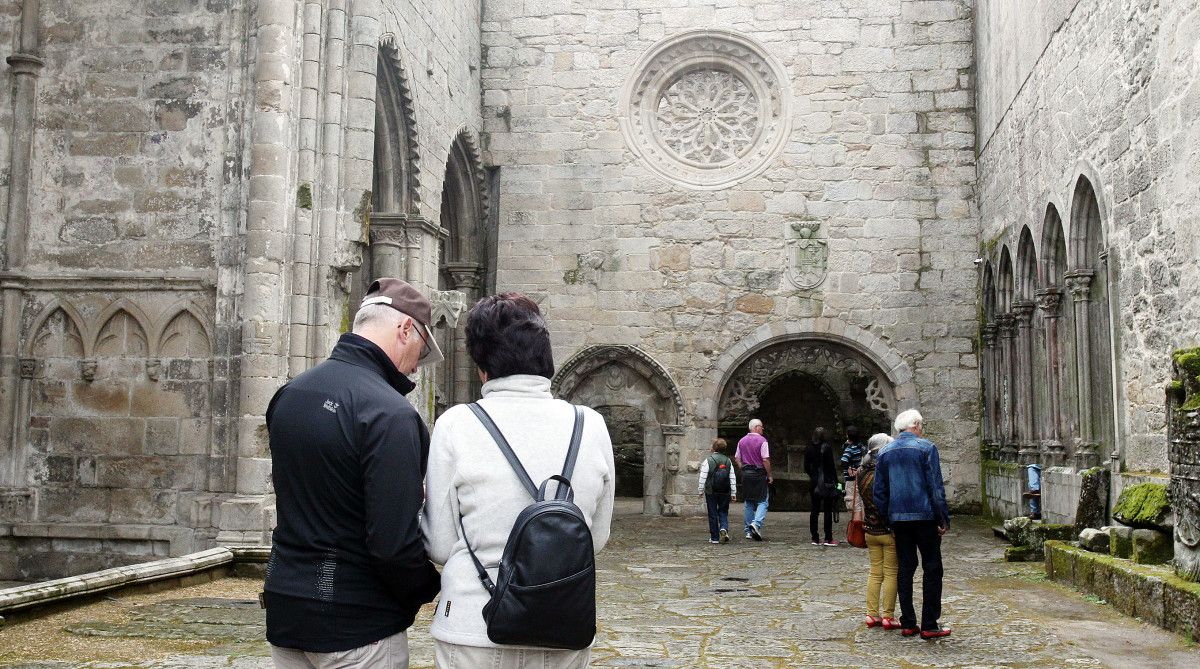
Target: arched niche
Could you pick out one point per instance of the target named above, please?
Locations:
(623, 381)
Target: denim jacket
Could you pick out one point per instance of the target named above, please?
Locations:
(908, 482)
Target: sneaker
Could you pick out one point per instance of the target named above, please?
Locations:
(724, 536)
(748, 536)
(816, 543)
(755, 534)
(713, 541)
(831, 543)
(930, 635)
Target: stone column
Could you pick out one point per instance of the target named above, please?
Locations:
(1079, 282)
(1008, 377)
(1027, 437)
(1049, 301)
(389, 246)
(265, 307)
(467, 278)
(990, 427)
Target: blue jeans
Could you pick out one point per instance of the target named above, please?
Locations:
(718, 514)
(756, 512)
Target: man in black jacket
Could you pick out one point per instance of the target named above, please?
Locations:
(348, 571)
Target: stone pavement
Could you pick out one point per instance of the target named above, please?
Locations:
(668, 598)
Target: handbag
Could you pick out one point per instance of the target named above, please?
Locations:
(856, 534)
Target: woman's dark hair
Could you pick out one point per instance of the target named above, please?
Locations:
(506, 335)
(818, 436)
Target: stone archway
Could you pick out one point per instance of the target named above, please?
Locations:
(637, 394)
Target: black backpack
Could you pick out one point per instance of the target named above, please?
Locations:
(545, 593)
(718, 472)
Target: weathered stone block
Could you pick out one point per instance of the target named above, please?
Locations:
(1152, 547)
(1022, 554)
(1092, 510)
(1094, 540)
(1121, 541)
(1145, 505)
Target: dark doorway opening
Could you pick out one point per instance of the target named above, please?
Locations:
(625, 427)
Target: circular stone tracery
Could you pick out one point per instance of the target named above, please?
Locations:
(706, 109)
(708, 117)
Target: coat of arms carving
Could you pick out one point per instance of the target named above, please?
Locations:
(808, 255)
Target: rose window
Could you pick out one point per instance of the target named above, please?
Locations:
(708, 117)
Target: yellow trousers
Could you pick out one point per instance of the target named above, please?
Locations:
(882, 548)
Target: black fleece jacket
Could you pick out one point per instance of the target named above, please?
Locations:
(348, 455)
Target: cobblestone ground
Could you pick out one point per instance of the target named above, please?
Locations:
(670, 599)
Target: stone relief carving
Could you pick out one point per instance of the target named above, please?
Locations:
(581, 367)
(708, 117)
(122, 335)
(448, 306)
(707, 109)
(740, 398)
(58, 337)
(808, 264)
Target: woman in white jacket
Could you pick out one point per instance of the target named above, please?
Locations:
(469, 476)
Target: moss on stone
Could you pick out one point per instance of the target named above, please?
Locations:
(1144, 505)
(1021, 554)
(304, 197)
(1187, 362)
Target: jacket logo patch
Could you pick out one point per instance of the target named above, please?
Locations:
(331, 406)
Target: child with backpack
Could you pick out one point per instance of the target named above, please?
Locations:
(718, 484)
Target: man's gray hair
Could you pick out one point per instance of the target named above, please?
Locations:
(907, 419)
(376, 315)
(754, 422)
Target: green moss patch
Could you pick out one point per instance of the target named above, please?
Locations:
(304, 197)
(1144, 505)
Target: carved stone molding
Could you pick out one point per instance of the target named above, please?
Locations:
(1079, 282)
(30, 368)
(1023, 313)
(87, 370)
(466, 276)
(407, 117)
(809, 255)
(990, 331)
(707, 109)
(575, 371)
(448, 305)
(1049, 300)
(154, 368)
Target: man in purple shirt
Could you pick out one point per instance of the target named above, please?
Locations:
(754, 458)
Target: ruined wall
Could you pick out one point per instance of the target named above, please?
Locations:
(854, 119)
(1111, 99)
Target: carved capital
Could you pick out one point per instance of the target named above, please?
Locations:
(1023, 313)
(153, 368)
(1079, 283)
(87, 369)
(466, 276)
(448, 305)
(1008, 325)
(389, 234)
(989, 335)
(1048, 301)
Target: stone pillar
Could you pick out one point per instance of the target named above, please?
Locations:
(1079, 282)
(265, 308)
(389, 246)
(1183, 454)
(1008, 377)
(1027, 436)
(990, 427)
(467, 278)
(1049, 301)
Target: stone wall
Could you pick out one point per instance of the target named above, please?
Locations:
(194, 196)
(850, 218)
(1106, 106)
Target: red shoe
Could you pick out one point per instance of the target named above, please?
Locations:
(910, 631)
(930, 635)
(873, 621)
(890, 623)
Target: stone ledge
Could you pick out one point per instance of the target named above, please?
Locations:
(1152, 593)
(84, 586)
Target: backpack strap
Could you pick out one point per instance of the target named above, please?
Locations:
(507, 450)
(483, 575)
(572, 455)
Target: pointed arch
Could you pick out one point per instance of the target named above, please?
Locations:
(58, 332)
(464, 202)
(1005, 284)
(581, 365)
(122, 331)
(1026, 269)
(989, 292)
(396, 174)
(1054, 249)
(184, 334)
(1087, 227)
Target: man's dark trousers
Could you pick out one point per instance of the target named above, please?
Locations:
(913, 537)
(718, 514)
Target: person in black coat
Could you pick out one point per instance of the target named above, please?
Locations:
(822, 472)
(348, 569)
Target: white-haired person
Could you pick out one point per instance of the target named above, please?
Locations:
(881, 545)
(910, 497)
(753, 456)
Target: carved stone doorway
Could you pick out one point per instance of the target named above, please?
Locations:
(795, 387)
(626, 427)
